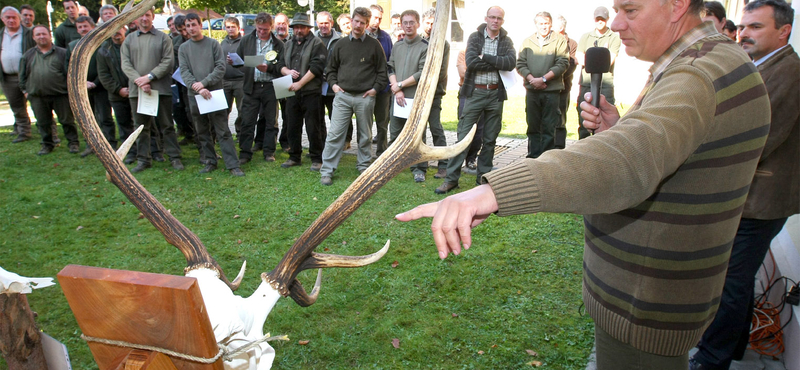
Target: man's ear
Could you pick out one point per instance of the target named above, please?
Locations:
(784, 32)
(679, 9)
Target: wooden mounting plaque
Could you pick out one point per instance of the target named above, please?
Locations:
(165, 311)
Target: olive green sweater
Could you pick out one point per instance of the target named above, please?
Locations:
(538, 57)
(662, 192)
(408, 59)
(202, 61)
(148, 52)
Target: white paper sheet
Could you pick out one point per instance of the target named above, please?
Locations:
(148, 103)
(237, 60)
(402, 112)
(253, 60)
(324, 88)
(217, 102)
(510, 78)
(281, 86)
(177, 76)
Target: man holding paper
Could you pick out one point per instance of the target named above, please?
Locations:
(305, 59)
(489, 51)
(147, 61)
(405, 68)
(259, 94)
(202, 67)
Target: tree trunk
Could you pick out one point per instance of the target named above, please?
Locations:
(20, 341)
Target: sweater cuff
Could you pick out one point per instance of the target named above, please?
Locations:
(516, 190)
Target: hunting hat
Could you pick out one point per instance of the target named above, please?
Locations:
(601, 12)
(300, 19)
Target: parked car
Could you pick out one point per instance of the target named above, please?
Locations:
(247, 22)
(217, 24)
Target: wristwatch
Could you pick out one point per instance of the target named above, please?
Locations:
(544, 79)
(400, 84)
(151, 76)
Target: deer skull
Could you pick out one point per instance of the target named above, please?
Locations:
(238, 321)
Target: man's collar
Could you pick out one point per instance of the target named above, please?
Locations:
(684, 42)
(601, 34)
(766, 57)
(151, 31)
(52, 47)
(360, 38)
(486, 34)
(6, 31)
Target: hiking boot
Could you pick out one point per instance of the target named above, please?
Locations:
(326, 180)
(141, 166)
(209, 168)
(158, 157)
(472, 164)
(176, 164)
(74, 148)
(316, 166)
(237, 172)
(46, 149)
(419, 177)
(269, 158)
(87, 152)
(129, 160)
(56, 140)
(290, 163)
(442, 173)
(445, 188)
(244, 160)
(20, 139)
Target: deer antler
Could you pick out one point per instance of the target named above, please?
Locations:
(173, 230)
(406, 150)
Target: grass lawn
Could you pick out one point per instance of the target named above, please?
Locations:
(517, 289)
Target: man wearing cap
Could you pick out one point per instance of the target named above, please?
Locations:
(304, 60)
(601, 36)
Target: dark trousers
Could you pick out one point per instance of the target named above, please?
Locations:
(543, 115)
(102, 113)
(475, 146)
(162, 122)
(283, 138)
(607, 91)
(43, 108)
(383, 101)
(305, 107)
(261, 100)
(122, 112)
(217, 122)
(396, 125)
(561, 129)
(180, 110)
(482, 102)
(727, 337)
(234, 90)
(18, 103)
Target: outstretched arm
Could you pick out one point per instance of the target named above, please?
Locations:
(454, 217)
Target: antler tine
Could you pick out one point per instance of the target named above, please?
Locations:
(405, 151)
(174, 232)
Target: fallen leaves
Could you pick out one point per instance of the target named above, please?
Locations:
(535, 363)
(79, 227)
(532, 352)
(236, 216)
(395, 263)
(454, 314)
(36, 217)
(481, 352)
(396, 343)
(303, 342)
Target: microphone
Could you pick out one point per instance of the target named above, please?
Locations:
(597, 61)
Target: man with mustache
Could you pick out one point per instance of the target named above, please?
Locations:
(774, 194)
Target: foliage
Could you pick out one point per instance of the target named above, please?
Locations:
(517, 289)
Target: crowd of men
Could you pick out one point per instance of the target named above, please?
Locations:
(664, 185)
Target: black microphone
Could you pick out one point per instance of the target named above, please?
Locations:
(597, 62)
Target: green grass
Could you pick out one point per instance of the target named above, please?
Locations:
(499, 297)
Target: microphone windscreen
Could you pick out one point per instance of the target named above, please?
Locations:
(598, 60)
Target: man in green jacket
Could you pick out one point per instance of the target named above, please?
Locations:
(67, 31)
(43, 79)
(305, 56)
(15, 40)
(661, 188)
(542, 61)
(147, 60)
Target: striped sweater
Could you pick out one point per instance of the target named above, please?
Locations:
(662, 193)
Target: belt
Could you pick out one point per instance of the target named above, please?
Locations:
(487, 87)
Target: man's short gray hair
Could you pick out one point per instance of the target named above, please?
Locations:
(109, 6)
(9, 9)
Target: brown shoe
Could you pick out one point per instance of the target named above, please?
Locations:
(237, 172)
(326, 180)
(290, 163)
(269, 158)
(141, 166)
(441, 173)
(445, 188)
(46, 149)
(20, 139)
(176, 164)
(316, 166)
(74, 148)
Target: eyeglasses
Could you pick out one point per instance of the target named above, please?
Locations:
(494, 18)
(409, 23)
